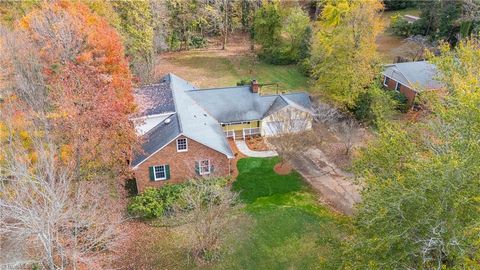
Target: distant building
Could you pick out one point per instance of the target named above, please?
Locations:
(411, 78)
(184, 130)
(411, 18)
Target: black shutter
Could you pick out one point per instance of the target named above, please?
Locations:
(167, 172)
(197, 168)
(152, 173)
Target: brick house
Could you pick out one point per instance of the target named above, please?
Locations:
(184, 130)
(411, 78)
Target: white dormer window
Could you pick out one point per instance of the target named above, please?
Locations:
(182, 145)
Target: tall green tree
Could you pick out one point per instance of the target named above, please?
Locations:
(268, 26)
(449, 20)
(283, 33)
(296, 29)
(249, 9)
(421, 207)
(184, 23)
(344, 52)
(398, 4)
(136, 27)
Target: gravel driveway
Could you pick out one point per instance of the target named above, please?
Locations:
(335, 185)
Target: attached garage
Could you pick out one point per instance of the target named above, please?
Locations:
(287, 120)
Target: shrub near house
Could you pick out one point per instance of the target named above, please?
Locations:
(158, 202)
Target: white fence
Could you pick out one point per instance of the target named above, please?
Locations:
(230, 134)
(250, 131)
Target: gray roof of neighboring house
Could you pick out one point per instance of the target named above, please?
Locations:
(234, 104)
(415, 75)
(158, 137)
(155, 98)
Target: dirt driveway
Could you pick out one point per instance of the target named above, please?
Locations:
(335, 185)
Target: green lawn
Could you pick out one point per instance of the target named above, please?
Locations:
(286, 228)
(292, 229)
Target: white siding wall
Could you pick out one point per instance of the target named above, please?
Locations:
(286, 120)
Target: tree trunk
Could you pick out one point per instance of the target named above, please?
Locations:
(225, 25)
(252, 39)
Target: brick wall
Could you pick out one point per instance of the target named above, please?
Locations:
(182, 164)
(409, 93)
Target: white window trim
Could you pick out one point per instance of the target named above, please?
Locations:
(385, 81)
(397, 85)
(200, 167)
(186, 145)
(155, 173)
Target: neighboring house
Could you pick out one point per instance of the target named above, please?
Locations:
(411, 78)
(184, 130)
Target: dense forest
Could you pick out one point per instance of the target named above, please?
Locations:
(68, 70)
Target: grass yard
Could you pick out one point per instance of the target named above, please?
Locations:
(389, 45)
(292, 230)
(286, 228)
(212, 67)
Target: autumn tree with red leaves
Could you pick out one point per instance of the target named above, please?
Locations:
(67, 94)
(90, 85)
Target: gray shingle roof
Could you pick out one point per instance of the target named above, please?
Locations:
(195, 122)
(278, 104)
(197, 114)
(302, 99)
(234, 104)
(155, 98)
(158, 137)
(415, 75)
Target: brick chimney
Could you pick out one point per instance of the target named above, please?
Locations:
(255, 87)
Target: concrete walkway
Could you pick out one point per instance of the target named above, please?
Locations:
(335, 185)
(243, 148)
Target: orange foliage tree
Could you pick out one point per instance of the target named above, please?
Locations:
(89, 85)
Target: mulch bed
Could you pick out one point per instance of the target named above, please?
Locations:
(282, 169)
(256, 143)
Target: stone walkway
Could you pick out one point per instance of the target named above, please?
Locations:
(335, 185)
(243, 148)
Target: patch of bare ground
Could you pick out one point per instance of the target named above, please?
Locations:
(334, 146)
(283, 168)
(149, 247)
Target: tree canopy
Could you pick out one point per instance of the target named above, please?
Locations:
(67, 67)
(420, 207)
(284, 33)
(344, 53)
